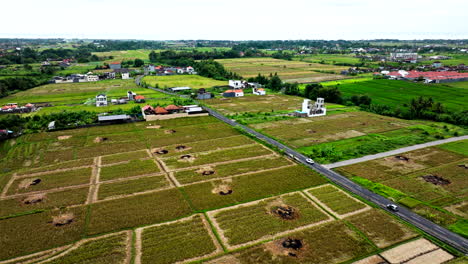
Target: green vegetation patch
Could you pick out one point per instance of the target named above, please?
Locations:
(381, 228)
(251, 222)
(192, 81)
(409, 202)
(205, 196)
(38, 201)
(36, 232)
(50, 181)
(62, 165)
(329, 243)
(196, 159)
(460, 147)
(176, 241)
(132, 186)
(132, 168)
(336, 199)
(109, 249)
(398, 93)
(137, 210)
(230, 169)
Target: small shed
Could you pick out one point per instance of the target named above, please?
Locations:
(113, 118)
(178, 89)
(51, 125)
(161, 111)
(139, 99)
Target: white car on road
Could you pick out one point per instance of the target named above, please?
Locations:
(310, 161)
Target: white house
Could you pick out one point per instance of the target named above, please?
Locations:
(234, 93)
(190, 70)
(236, 84)
(92, 78)
(437, 64)
(317, 109)
(101, 100)
(258, 91)
(125, 75)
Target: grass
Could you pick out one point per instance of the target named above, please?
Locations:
(231, 169)
(460, 147)
(137, 211)
(121, 55)
(336, 200)
(51, 181)
(329, 58)
(132, 186)
(132, 168)
(177, 241)
(30, 233)
(329, 243)
(381, 228)
(192, 81)
(246, 188)
(252, 222)
(399, 93)
(289, 71)
(111, 249)
(217, 156)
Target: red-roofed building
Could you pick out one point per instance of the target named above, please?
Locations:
(139, 99)
(172, 108)
(115, 65)
(430, 77)
(161, 111)
(234, 93)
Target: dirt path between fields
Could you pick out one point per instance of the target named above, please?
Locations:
(41, 256)
(139, 231)
(336, 214)
(7, 186)
(393, 152)
(94, 179)
(83, 241)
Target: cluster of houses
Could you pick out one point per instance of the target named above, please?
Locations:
(161, 70)
(427, 76)
(151, 113)
(64, 63)
(90, 77)
(238, 86)
(102, 100)
(14, 108)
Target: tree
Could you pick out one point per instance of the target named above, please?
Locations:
(138, 63)
(275, 83)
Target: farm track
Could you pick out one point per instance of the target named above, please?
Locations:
(393, 152)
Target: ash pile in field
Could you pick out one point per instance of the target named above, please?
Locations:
(180, 147)
(187, 158)
(436, 180)
(206, 171)
(222, 189)
(465, 166)
(292, 243)
(170, 131)
(63, 219)
(402, 158)
(285, 212)
(161, 151)
(291, 247)
(34, 199)
(100, 139)
(29, 182)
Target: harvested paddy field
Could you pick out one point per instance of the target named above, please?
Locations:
(70, 196)
(430, 181)
(288, 71)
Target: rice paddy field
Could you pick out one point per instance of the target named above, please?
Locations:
(288, 71)
(192, 81)
(121, 55)
(353, 134)
(430, 181)
(174, 191)
(395, 93)
(81, 96)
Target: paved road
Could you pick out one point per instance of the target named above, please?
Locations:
(393, 152)
(422, 223)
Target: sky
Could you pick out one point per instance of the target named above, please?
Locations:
(234, 20)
